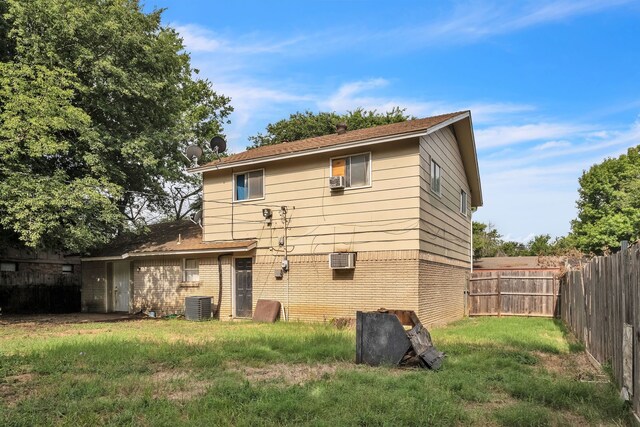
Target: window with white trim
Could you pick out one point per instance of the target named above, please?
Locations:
(463, 202)
(435, 177)
(356, 169)
(191, 270)
(248, 185)
(8, 266)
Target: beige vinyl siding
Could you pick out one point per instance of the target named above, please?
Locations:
(383, 216)
(443, 229)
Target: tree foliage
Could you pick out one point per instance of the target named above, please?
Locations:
(609, 204)
(488, 242)
(97, 102)
(309, 124)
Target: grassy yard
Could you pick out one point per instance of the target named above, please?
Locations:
(508, 371)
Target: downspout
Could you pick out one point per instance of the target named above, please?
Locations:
(220, 283)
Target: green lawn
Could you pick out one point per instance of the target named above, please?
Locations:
(508, 371)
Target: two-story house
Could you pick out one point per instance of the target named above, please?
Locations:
(356, 220)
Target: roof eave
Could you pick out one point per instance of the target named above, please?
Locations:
(332, 148)
(469, 154)
(170, 253)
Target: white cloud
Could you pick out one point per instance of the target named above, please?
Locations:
(363, 93)
(498, 136)
(577, 146)
(471, 22)
(491, 112)
(552, 144)
(200, 39)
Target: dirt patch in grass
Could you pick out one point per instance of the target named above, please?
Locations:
(14, 388)
(573, 419)
(575, 365)
(289, 374)
(29, 320)
(178, 385)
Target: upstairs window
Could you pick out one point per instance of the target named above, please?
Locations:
(356, 169)
(249, 185)
(191, 270)
(463, 202)
(435, 177)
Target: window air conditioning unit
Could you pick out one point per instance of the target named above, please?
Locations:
(342, 260)
(337, 182)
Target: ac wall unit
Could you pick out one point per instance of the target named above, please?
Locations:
(342, 260)
(337, 182)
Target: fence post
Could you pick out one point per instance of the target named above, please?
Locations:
(624, 248)
(627, 329)
(499, 296)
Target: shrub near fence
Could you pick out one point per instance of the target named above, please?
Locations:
(600, 304)
(28, 292)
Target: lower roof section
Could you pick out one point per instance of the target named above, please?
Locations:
(170, 238)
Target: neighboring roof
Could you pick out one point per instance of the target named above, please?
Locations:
(377, 134)
(169, 238)
(519, 263)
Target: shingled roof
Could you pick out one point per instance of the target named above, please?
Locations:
(335, 139)
(177, 237)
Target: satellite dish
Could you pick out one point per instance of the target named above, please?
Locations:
(194, 153)
(197, 218)
(218, 144)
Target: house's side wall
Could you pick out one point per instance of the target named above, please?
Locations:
(94, 287)
(444, 231)
(158, 284)
(383, 216)
(441, 292)
(386, 279)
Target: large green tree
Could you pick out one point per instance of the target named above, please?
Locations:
(609, 204)
(97, 102)
(309, 124)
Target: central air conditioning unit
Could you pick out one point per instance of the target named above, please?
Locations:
(342, 260)
(197, 308)
(337, 183)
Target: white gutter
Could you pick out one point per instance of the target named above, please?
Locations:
(345, 146)
(169, 253)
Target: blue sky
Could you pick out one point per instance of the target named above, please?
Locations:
(553, 87)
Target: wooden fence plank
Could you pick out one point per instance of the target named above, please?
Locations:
(599, 303)
(513, 293)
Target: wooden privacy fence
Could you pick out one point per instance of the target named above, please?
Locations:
(30, 292)
(514, 293)
(600, 304)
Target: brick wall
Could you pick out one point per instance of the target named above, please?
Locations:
(441, 292)
(390, 279)
(317, 293)
(158, 285)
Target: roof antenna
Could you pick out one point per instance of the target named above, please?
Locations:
(218, 145)
(193, 154)
(196, 218)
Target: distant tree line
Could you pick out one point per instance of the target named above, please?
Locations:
(488, 242)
